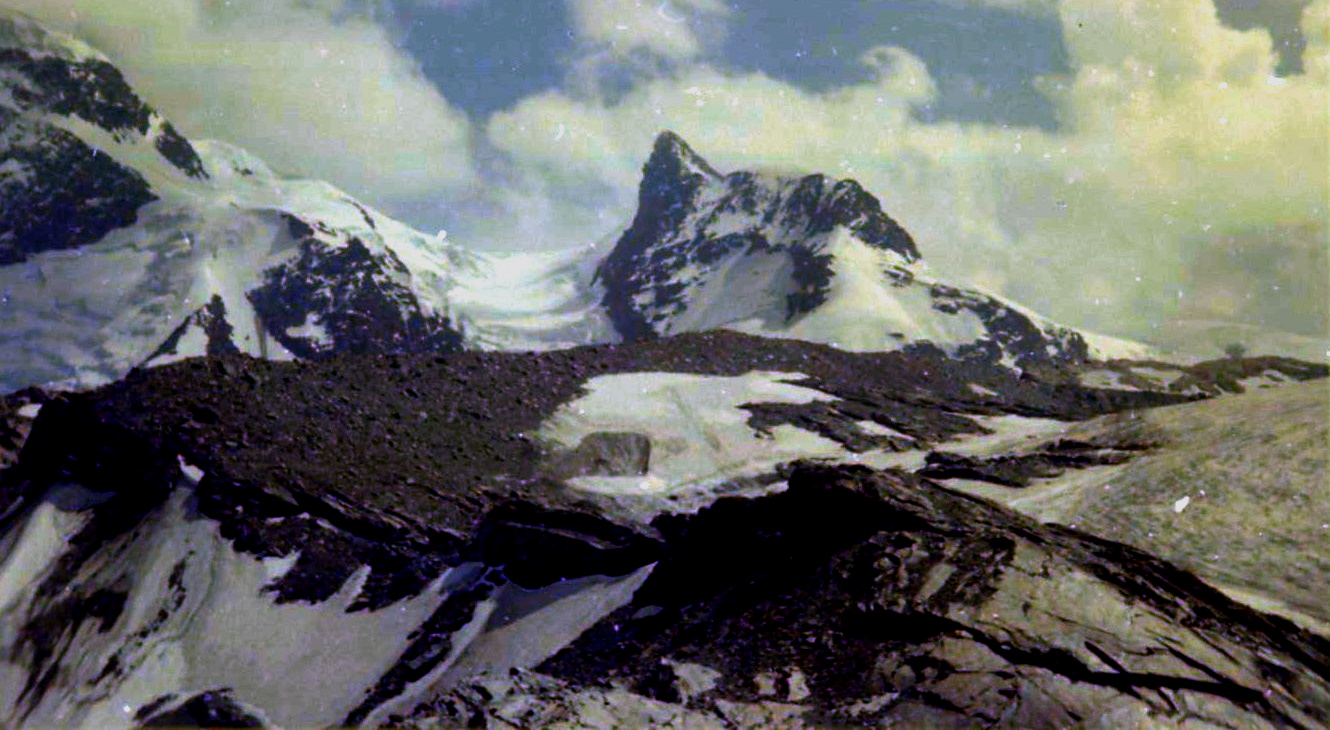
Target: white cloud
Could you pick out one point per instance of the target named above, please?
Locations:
(310, 88)
(666, 28)
(1174, 136)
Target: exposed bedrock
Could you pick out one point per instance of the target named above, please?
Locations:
(400, 520)
(213, 709)
(1046, 461)
(604, 453)
(863, 597)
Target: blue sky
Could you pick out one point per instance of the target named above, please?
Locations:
(486, 55)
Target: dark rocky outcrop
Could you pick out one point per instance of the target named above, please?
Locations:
(1046, 461)
(865, 597)
(603, 454)
(1208, 377)
(1009, 330)
(358, 300)
(58, 192)
(95, 91)
(15, 425)
(210, 320)
(852, 596)
(211, 709)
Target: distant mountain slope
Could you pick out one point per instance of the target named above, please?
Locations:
(122, 242)
(806, 257)
(57, 191)
(1232, 488)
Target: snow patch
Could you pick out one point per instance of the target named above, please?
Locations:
(530, 301)
(877, 429)
(698, 429)
(311, 329)
(528, 626)
(863, 310)
(742, 288)
(192, 473)
(196, 616)
(275, 568)
(27, 551)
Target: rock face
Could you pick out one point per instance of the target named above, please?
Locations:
(56, 190)
(209, 324)
(344, 298)
(807, 257)
(1047, 461)
(604, 453)
(861, 598)
(351, 540)
(17, 411)
(204, 709)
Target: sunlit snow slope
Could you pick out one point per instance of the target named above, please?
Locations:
(121, 241)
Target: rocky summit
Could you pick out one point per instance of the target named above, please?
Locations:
(808, 257)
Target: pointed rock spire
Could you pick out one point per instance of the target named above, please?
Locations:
(672, 156)
(671, 178)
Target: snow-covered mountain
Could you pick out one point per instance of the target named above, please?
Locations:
(806, 257)
(124, 243)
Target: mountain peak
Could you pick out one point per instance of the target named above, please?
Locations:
(671, 155)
